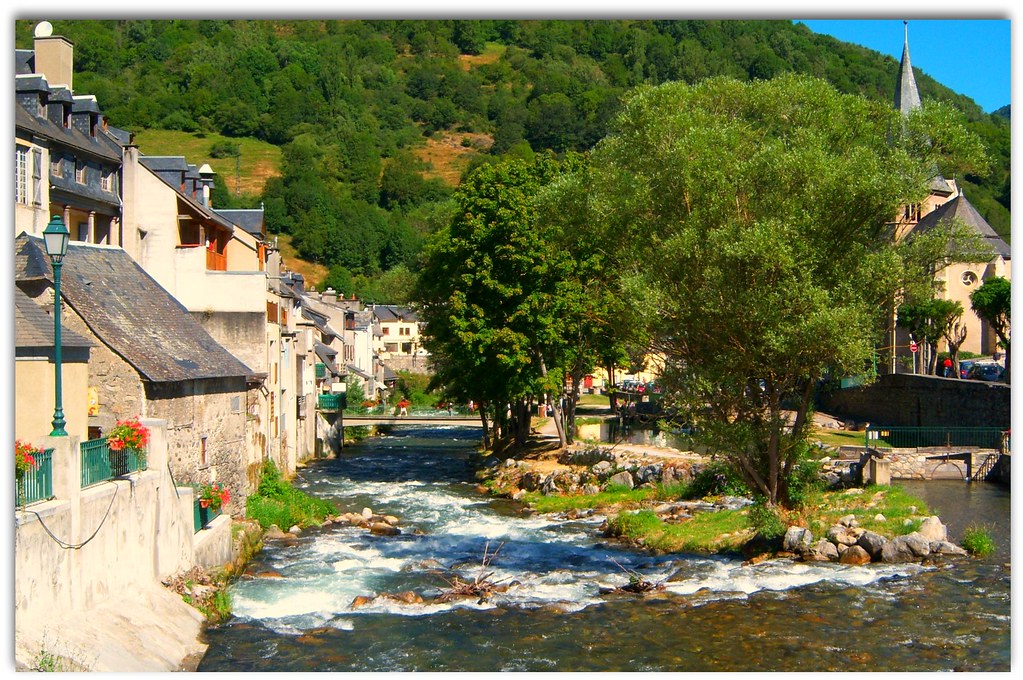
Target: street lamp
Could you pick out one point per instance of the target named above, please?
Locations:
(55, 239)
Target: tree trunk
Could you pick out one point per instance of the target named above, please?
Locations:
(559, 422)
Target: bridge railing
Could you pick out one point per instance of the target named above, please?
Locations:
(901, 437)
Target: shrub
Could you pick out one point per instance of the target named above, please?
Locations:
(977, 541)
(764, 519)
(715, 479)
(804, 481)
(276, 501)
(224, 149)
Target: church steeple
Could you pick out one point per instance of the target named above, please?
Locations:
(907, 97)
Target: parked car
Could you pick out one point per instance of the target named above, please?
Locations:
(989, 372)
(964, 368)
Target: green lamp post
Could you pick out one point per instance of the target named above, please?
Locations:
(55, 239)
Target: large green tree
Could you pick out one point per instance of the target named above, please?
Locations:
(499, 298)
(993, 303)
(749, 222)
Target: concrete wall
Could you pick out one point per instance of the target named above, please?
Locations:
(131, 532)
(924, 401)
(117, 537)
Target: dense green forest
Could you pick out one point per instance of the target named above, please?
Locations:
(351, 103)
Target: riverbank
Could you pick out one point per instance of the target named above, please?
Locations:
(665, 501)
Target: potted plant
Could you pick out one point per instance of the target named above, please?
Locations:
(24, 460)
(211, 498)
(128, 436)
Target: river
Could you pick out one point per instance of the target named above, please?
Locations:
(714, 614)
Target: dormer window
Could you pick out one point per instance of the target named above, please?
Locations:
(106, 180)
(56, 165)
(80, 172)
(67, 117)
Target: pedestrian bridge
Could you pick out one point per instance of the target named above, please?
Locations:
(455, 421)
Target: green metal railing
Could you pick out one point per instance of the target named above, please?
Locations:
(321, 371)
(926, 437)
(202, 516)
(37, 484)
(99, 463)
(328, 402)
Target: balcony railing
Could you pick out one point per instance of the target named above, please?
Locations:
(321, 371)
(37, 484)
(328, 402)
(99, 463)
(201, 516)
(215, 261)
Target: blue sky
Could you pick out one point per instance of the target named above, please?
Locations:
(970, 56)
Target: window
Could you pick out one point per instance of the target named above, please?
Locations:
(386, 330)
(56, 165)
(21, 190)
(969, 279)
(105, 181)
(80, 172)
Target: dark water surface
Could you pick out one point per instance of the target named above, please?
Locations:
(714, 615)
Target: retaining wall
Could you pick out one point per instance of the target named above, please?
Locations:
(924, 401)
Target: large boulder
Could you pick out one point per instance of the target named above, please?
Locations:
(623, 478)
(946, 548)
(872, 543)
(933, 530)
(854, 554)
(844, 535)
(602, 468)
(822, 551)
(909, 548)
(797, 540)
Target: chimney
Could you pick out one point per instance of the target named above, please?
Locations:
(206, 181)
(329, 296)
(54, 56)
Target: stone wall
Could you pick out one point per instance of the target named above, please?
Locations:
(909, 464)
(211, 410)
(923, 401)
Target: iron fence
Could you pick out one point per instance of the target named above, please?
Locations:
(931, 437)
(37, 483)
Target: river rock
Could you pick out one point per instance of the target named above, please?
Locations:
(849, 521)
(602, 468)
(946, 548)
(844, 535)
(360, 601)
(872, 543)
(274, 532)
(367, 513)
(295, 530)
(854, 554)
(406, 597)
(797, 540)
(821, 551)
(649, 474)
(384, 529)
(880, 518)
(933, 530)
(531, 481)
(908, 548)
(623, 478)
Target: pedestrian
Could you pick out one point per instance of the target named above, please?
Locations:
(403, 407)
(948, 367)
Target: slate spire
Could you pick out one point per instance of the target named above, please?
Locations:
(907, 97)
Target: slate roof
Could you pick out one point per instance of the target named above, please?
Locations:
(176, 167)
(907, 96)
(327, 356)
(387, 313)
(101, 145)
(33, 327)
(130, 312)
(250, 220)
(962, 209)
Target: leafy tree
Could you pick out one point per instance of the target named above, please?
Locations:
(748, 222)
(993, 303)
(490, 293)
(930, 322)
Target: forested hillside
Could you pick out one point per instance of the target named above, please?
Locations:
(377, 120)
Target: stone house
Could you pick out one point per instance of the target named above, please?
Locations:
(150, 358)
(66, 162)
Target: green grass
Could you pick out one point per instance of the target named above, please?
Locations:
(838, 437)
(706, 532)
(977, 541)
(612, 495)
(259, 160)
